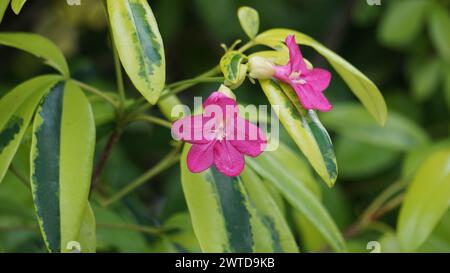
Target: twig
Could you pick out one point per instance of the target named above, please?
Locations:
(163, 165)
(20, 176)
(113, 139)
(153, 120)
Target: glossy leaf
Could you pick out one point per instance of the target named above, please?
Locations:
(3, 7)
(297, 192)
(399, 133)
(16, 110)
(17, 5)
(39, 46)
(440, 30)
(286, 166)
(305, 129)
(139, 44)
(61, 163)
(233, 68)
(417, 156)
(402, 22)
(249, 20)
(363, 88)
(234, 214)
(426, 201)
(87, 237)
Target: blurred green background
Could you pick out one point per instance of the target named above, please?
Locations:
(394, 44)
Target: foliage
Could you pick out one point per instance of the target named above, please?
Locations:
(68, 146)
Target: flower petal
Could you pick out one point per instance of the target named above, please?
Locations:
(193, 129)
(247, 138)
(217, 102)
(282, 72)
(312, 99)
(318, 78)
(295, 55)
(200, 157)
(227, 159)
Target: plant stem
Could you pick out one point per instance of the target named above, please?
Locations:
(195, 80)
(246, 46)
(153, 120)
(381, 199)
(113, 139)
(163, 165)
(379, 207)
(137, 228)
(97, 92)
(119, 76)
(21, 177)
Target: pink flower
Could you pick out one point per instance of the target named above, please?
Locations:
(309, 84)
(219, 136)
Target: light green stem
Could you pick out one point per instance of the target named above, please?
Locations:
(153, 120)
(96, 92)
(163, 165)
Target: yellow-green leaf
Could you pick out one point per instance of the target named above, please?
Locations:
(61, 163)
(3, 6)
(249, 20)
(426, 201)
(305, 129)
(139, 44)
(87, 237)
(234, 214)
(298, 189)
(39, 46)
(363, 88)
(17, 5)
(233, 68)
(16, 110)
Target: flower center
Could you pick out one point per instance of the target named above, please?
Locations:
(220, 131)
(295, 77)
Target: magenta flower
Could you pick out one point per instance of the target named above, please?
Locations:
(219, 136)
(309, 84)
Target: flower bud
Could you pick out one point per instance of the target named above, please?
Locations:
(260, 68)
(226, 91)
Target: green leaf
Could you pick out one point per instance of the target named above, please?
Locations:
(358, 159)
(61, 163)
(234, 214)
(402, 22)
(305, 129)
(87, 237)
(286, 166)
(16, 110)
(426, 201)
(439, 24)
(297, 191)
(233, 69)
(399, 133)
(17, 5)
(417, 156)
(39, 46)
(425, 79)
(363, 88)
(183, 235)
(249, 20)
(446, 72)
(3, 6)
(139, 44)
